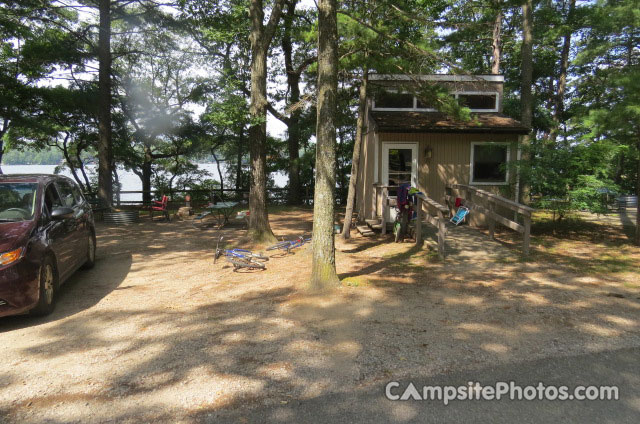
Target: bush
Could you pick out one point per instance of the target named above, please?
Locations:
(592, 194)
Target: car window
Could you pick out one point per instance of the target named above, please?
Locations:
(51, 198)
(77, 194)
(66, 194)
(17, 201)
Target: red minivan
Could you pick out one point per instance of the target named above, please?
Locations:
(46, 233)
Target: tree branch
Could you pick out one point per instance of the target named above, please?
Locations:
(272, 25)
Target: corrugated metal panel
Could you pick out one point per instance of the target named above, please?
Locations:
(121, 218)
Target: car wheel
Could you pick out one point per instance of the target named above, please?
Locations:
(47, 284)
(91, 252)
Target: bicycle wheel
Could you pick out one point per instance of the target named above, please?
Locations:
(248, 253)
(259, 256)
(244, 262)
(282, 245)
(402, 231)
(295, 244)
(396, 231)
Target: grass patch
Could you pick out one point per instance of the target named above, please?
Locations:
(355, 281)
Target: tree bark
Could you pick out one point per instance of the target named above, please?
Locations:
(105, 189)
(215, 157)
(638, 194)
(323, 268)
(294, 194)
(82, 170)
(146, 179)
(260, 39)
(562, 77)
(67, 158)
(526, 97)
(1, 153)
(116, 183)
(496, 44)
(239, 163)
(3, 131)
(355, 159)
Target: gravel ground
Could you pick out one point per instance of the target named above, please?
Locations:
(158, 332)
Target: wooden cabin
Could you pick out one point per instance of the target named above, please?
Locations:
(407, 140)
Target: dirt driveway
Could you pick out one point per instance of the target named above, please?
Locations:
(157, 333)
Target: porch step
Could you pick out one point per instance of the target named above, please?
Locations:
(365, 231)
(374, 224)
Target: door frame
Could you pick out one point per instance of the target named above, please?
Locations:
(390, 214)
(386, 146)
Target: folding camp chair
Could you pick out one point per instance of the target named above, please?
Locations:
(460, 215)
(162, 207)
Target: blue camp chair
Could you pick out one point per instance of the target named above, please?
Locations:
(460, 215)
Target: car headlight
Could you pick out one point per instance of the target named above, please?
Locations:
(11, 257)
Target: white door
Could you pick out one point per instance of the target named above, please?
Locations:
(399, 165)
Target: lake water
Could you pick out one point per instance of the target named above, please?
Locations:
(129, 180)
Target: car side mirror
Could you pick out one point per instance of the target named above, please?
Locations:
(62, 213)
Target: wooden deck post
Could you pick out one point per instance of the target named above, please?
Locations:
(451, 205)
(374, 201)
(441, 234)
(527, 234)
(492, 221)
(385, 195)
(419, 223)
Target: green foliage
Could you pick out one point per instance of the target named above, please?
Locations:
(592, 194)
(28, 157)
(181, 80)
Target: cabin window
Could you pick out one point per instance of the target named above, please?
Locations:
(393, 100)
(489, 163)
(424, 103)
(478, 101)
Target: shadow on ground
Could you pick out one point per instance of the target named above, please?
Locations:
(175, 338)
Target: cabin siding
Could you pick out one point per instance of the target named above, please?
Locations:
(366, 172)
(450, 163)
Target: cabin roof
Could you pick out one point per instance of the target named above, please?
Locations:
(407, 122)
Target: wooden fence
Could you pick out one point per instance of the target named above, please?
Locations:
(473, 197)
(275, 195)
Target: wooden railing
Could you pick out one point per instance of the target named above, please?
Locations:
(381, 190)
(275, 195)
(437, 218)
(473, 196)
(427, 210)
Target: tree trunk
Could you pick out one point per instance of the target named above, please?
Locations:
(638, 194)
(260, 38)
(239, 163)
(105, 189)
(562, 77)
(355, 160)
(3, 131)
(259, 227)
(215, 157)
(1, 153)
(294, 193)
(526, 97)
(496, 44)
(323, 271)
(146, 181)
(83, 171)
(67, 158)
(116, 183)
(293, 144)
